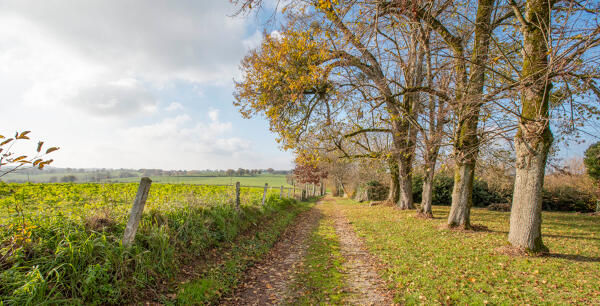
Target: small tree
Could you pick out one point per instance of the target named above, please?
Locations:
(308, 170)
(11, 161)
(592, 164)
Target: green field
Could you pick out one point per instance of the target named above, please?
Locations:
(275, 180)
(259, 180)
(61, 243)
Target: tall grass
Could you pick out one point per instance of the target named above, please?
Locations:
(61, 243)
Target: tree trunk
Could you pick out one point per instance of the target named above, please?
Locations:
(427, 195)
(466, 144)
(406, 197)
(533, 139)
(598, 197)
(462, 196)
(526, 212)
(394, 193)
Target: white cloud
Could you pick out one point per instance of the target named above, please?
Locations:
(253, 41)
(276, 34)
(214, 115)
(174, 106)
(124, 97)
(195, 142)
(68, 50)
(192, 40)
(89, 76)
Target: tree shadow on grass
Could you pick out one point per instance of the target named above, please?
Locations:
(554, 236)
(572, 257)
(570, 237)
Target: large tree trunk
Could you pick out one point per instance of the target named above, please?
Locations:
(533, 139)
(526, 213)
(466, 144)
(394, 193)
(406, 197)
(427, 195)
(462, 196)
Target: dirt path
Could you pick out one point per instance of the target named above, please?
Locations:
(267, 283)
(365, 285)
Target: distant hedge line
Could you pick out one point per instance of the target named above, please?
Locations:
(557, 199)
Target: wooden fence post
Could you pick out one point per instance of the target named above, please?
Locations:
(136, 211)
(237, 195)
(303, 197)
(281, 192)
(265, 194)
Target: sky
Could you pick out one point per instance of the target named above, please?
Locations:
(131, 84)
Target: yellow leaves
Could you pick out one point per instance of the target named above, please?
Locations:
(50, 150)
(20, 158)
(6, 141)
(44, 163)
(23, 135)
(39, 146)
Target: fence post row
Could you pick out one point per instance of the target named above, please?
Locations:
(136, 211)
(265, 194)
(281, 192)
(237, 195)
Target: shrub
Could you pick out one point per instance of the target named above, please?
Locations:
(567, 199)
(417, 188)
(442, 191)
(372, 191)
(554, 198)
(500, 206)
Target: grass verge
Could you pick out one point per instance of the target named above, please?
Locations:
(80, 260)
(221, 273)
(427, 264)
(321, 279)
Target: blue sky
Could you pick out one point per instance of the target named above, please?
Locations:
(135, 84)
(132, 84)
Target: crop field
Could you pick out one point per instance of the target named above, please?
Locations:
(260, 180)
(274, 180)
(61, 243)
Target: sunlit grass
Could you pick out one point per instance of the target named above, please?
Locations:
(61, 243)
(429, 264)
(321, 278)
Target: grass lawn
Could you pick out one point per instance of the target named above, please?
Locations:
(426, 263)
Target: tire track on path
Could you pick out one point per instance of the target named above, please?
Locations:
(365, 285)
(268, 282)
